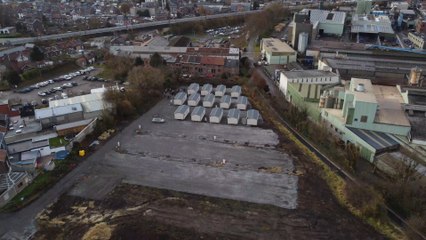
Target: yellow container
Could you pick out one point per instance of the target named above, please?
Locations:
(81, 153)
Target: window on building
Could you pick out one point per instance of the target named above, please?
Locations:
(356, 119)
(364, 118)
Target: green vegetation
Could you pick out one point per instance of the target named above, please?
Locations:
(57, 142)
(41, 183)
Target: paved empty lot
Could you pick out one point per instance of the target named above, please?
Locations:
(202, 158)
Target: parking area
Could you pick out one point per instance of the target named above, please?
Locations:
(56, 88)
(233, 162)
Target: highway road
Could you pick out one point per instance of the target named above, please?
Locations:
(17, 41)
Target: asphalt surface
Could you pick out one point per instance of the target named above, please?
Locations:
(82, 87)
(176, 155)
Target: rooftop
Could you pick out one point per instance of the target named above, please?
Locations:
(390, 106)
(216, 112)
(73, 124)
(380, 141)
(90, 102)
(182, 109)
(234, 113)
(26, 145)
(253, 114)
(308, 73)
(371, 24)
(209, 98)
(325, 16)
(367, 95)
(199, 111)
(276, 45)
(43, 113)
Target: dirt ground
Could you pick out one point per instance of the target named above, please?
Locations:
(136, 212)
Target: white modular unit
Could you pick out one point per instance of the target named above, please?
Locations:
(194, 99)
(181, 112)
(242, 103)
(233, 116)
(253, 117)
(180, 98)
(225, 102)
(198, 114)
(235, 91)
(193, 88)
(216, 115)
(208, 100)
(206, 89)
(220, 90)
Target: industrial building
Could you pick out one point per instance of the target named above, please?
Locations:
(180, 98)
(253, 117)
(206, 89)
(216, 115)
(366, 28)
(309, 77)
(198, 114)
(234, 116)
(418, 40)
(193, 88)
(59, 115)
(220, 90)
(225, 102)
(242, 103)
(194, 99)
(363, 7)
(377, 69)
(301, 24)
(93, 104)
(209, 100)
(326, 22)
(235, 91)
(277, 52)
(369, 116)
(181, 112)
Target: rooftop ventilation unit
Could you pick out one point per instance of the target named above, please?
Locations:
(360, 87)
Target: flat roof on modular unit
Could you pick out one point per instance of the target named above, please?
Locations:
(236, 88)
(253, 114)
(207, 87)
(234, 113)
(209, 98)
(180, 95)
(194, 86)
(200, 111)
(194, 97)
(225, 99)
(182, 109)
(242, 100)
(220, 88)
(216, 112)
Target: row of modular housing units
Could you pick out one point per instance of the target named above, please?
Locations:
(209, 101)
(233, 116)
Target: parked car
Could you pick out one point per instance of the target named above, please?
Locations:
(67, 85)
(57, 88)
(41, 94)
